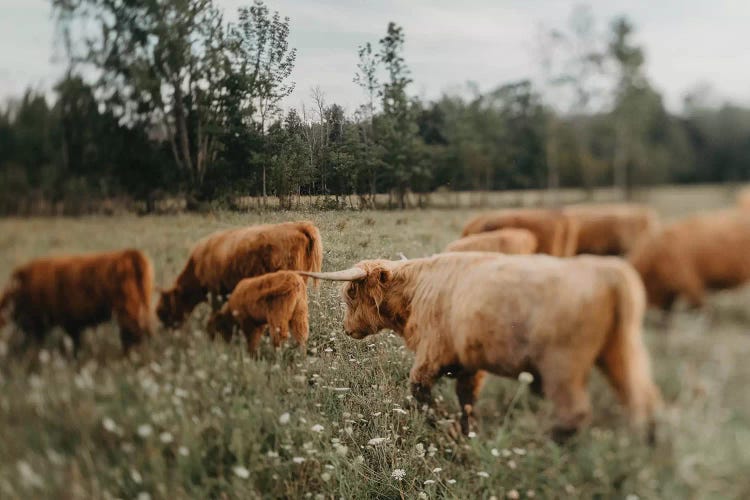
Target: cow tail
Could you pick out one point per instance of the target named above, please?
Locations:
(142, 272)
(626, 354)
(314, 250)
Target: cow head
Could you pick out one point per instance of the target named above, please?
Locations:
(173, 306)
(372, 303)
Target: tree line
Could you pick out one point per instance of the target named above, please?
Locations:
(178, 101)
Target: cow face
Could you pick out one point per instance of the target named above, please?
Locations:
(169, 309)
(366, 312)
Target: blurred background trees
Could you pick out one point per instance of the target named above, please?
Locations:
(164, 97)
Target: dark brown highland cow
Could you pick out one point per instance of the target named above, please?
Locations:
(79, 291)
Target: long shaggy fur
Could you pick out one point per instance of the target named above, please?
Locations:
(218, 262)
(704, 252)
(79, 291)
(508, 241)
(555, 231)
(612, 229)
(277, 300)
(474, 312)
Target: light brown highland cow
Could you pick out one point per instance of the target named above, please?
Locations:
(556, 232)
(468, 313)
(508, 241)
(277, 300)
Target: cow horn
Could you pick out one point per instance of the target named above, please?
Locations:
(353, 274)
(401, 256)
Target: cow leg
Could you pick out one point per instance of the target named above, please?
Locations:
(468, 385)
(215, 301)
(253, 334)
(626, 365)
(128, 338)
(422, 377)
(299, 325)
(566, 388)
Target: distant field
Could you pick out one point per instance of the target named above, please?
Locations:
(191, 418)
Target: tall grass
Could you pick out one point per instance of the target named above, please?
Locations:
(186, 417)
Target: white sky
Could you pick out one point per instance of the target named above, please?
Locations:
(447, 42)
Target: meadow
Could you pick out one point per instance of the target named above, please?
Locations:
(189, 418)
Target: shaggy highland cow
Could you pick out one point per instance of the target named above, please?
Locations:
(217, 263)
(509, 241)
(612, 229)
(76, 292)
(556, 232)
(468, 313)
(277, 300)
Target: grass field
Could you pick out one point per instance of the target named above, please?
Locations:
(189, 418)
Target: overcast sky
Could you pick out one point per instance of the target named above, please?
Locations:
(447, 42)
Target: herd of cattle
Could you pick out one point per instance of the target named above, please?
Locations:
(490, 303)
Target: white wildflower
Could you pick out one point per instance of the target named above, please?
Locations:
(472, 435)
(429, 481)
(512, 464)
(241, 472)
(437, 470)
(451, 481)
(182, 450)
(525, 378)
(298, 460)
(359, 459)
(143, 496)
(494, 452)
(166, 437)
(109, 425)
(341, 449)
(419, 450)
(272, 454)
(325, 477)
(505, 453)
(532, 494)
(519, 451)
(482, 473)
(398, 474)
(317, 428)
(431, 450)
(284, 418)
(28, 476)
(377, 441)
(422, 495)
(401, 411)
(513, 495)
(136, 476)
(145, 430)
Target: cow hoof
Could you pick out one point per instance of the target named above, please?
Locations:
(562, 435)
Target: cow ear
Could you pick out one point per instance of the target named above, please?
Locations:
(383, 276)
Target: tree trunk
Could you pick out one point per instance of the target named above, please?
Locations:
(620, 163)
(264, 185)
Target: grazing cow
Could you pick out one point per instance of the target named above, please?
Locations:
(278, 300)
(79, 291)
(468, 313)
(219, 261)
(612, 229)
(556, 232)
(699, 253)
(510, 241)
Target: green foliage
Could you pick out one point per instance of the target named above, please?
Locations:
(186, 103)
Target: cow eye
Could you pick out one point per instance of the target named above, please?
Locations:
(351, 292)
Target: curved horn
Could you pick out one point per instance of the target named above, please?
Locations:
(401, 256)
(353, 274)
